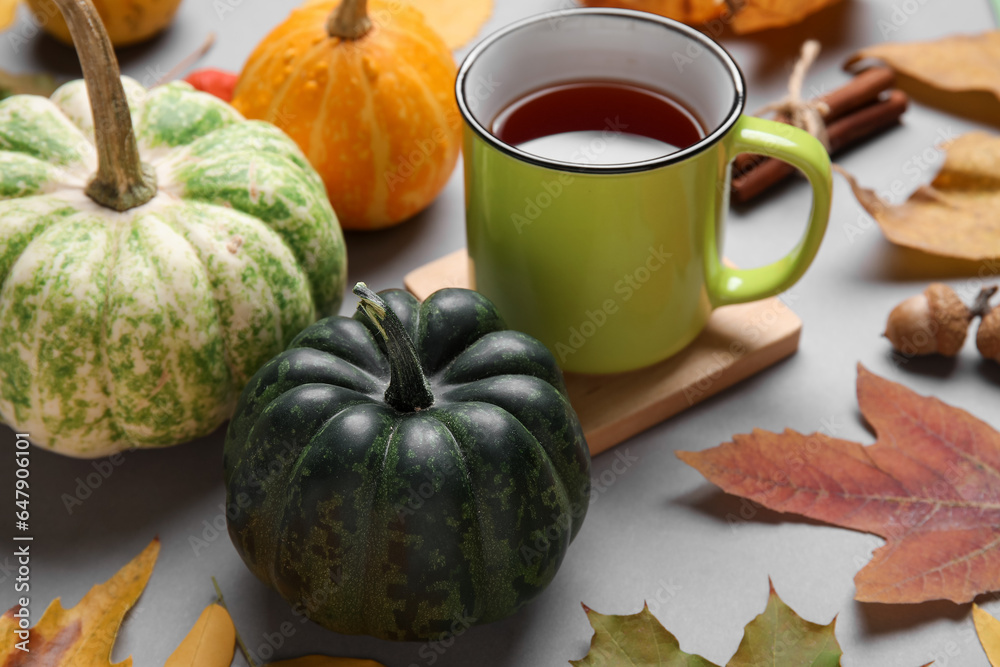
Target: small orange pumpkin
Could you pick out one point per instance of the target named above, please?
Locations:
(127, 21)
(369, 99)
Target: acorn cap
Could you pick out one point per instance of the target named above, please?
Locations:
(988, 337)
(952, 317)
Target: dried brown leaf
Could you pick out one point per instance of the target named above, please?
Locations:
(988, 629)
(758, 15)
(84, 635)
(746, 16)
(8, 12)
(930, 486)
(961, 63)
(954, 216)
(210, 643)
(693, 12)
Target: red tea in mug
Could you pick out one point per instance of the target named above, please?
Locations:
(598, 122)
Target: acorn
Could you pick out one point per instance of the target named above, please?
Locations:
(935, 322)
(988, 336)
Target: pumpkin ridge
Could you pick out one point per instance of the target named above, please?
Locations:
(34, 110)
(481, 528)
(275, 508)
(181, 302)
(279, 95)
(49, 181)
(290, 227)
(39, 247)
(394, 29)
(255, 64)
(51, 219)
(433, 102)
(446, 377)
(255, 221)
(544, 385)
(294, 468)
(109, 384)
(36, 390)
(560, 485)
(439, 380)
(68, 96)
(194, 218)
(379, 482)
(204, 114)
(320, 126)
(556, 472)
(381, 144)
(227, 354)
(378, 382)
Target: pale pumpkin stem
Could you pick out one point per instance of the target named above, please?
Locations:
(408, 389)
(122, 181)
(350, 20)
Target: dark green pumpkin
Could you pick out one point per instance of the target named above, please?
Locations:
(410, 483)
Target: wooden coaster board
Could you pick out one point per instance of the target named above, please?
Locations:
(738, 342)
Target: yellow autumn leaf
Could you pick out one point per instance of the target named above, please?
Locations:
(457, 21)
(962, 63)
(988, 629)
(325, 661)
(954, 216)
(757, 15)
(744, 16)
(210, 643)
(84, 635)
(686, 11)
(8, 12)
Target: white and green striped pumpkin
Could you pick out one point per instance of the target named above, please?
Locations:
(155, 250)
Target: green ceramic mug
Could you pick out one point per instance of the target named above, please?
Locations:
(617, 266)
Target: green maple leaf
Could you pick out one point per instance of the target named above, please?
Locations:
(638, 640)
(779, 636)
(776, 638)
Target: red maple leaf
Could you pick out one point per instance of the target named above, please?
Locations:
(930, 486)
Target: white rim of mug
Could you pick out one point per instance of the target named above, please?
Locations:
(708, 141)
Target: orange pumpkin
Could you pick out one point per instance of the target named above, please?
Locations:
(127, 21)
(368, 98)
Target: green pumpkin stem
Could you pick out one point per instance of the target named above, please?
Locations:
(408, 389)
(350, 20)
(122, 181)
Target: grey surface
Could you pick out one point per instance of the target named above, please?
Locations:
(657, 531)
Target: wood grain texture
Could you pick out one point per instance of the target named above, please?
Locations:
(738, 342)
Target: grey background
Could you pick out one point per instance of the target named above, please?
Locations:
(657, 531)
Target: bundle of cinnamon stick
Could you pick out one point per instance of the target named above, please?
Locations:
(859, 110)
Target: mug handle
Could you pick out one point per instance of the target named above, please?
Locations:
(800, 149)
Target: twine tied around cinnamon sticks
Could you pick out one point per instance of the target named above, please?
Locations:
(865, 106)
(808, 115)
